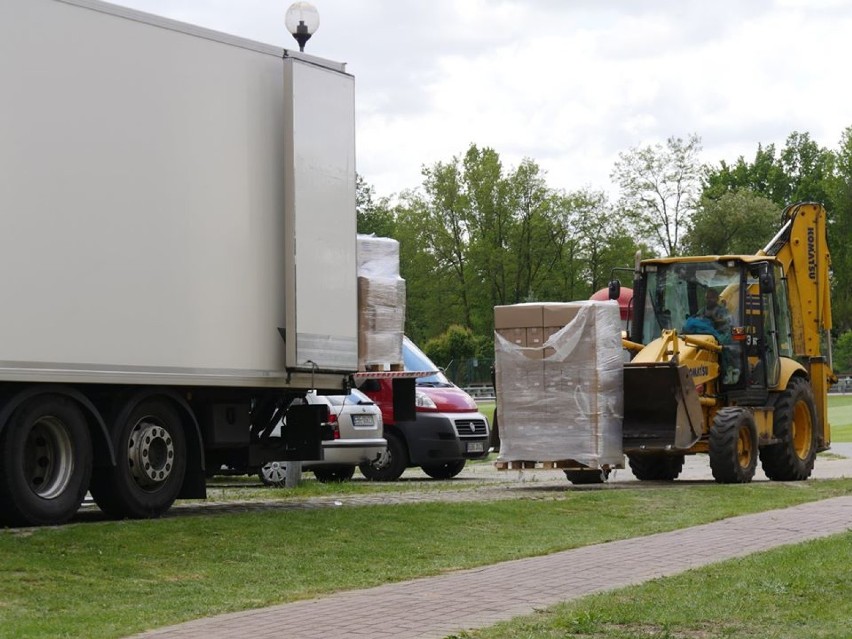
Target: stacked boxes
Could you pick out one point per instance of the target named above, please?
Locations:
(381, 303)
(559, 382)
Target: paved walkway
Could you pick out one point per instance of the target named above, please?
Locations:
(435, 607)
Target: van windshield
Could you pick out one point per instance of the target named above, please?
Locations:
(416, 360)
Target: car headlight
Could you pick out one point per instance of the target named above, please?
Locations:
(422, 400)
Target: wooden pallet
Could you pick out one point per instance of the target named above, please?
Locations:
(378, 368)
(541, 465)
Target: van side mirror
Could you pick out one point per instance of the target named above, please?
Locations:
(614, 289)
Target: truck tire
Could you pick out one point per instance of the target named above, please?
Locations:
(447, 470)
(794, 423)
(656, 467)
(591, 476)
(45, 462)
(391, 465)
(150, 462)
(334, 474)
(733, 446)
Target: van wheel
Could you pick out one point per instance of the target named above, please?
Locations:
(447, 470)
(334, 474)
(795, 423)
(392, 463)
(150, 462)
(45, 462)
(733, 446)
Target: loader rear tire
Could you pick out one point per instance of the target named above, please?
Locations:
(733, 446)
(656, 467)
(795, 423)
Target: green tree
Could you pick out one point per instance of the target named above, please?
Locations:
(374, 216)
(764, 176)
(660, 186)
(840, 234)
(843, 353)
(739, 222)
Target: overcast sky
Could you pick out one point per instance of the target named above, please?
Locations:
(568, 83)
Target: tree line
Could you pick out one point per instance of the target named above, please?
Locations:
(476, 234)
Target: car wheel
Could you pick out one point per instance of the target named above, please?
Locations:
(273, 474)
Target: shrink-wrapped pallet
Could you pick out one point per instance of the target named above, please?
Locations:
(381, 303)
(559, 382)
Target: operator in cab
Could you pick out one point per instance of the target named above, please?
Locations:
(716, 312)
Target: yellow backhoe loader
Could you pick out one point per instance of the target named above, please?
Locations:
(732, 358)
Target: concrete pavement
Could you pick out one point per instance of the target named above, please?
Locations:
(434, 607)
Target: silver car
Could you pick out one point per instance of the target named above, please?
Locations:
(357, 425)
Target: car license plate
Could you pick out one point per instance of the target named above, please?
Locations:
(362, 420)
(476, 447)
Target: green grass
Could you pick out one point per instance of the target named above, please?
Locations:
(487, 409)
(840, 417)
(787, 593)
(112, 579)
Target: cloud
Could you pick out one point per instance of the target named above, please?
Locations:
(568, 84)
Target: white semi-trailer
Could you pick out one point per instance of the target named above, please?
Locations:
(176, 213)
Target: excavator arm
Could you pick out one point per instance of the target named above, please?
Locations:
(801, 248)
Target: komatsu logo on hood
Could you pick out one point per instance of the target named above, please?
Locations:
(699, 371)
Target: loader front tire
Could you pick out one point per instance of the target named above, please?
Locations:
(655, 466)
(733, 446)
(795, 424)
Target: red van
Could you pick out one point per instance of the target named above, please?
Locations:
(447, 431)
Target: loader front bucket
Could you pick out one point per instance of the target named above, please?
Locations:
(661, 407)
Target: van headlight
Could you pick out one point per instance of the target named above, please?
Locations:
(422, 400)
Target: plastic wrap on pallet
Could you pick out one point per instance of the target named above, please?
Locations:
(378, 257)
(381, 320)
(564, 400)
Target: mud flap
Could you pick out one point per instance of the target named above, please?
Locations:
(661, 408)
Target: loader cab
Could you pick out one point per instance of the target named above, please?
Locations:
(740, 301)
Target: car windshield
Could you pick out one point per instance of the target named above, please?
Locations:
(691, 297)
(416, 360)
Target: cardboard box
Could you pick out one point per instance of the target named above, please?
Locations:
(518, 316)
(559, 315)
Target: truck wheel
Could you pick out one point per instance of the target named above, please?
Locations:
(334, 474)
(45, 462)
(591, 476)
(794, 423)
(391, 465)
(656, 467)
(150, 463)
(447, 470)
(733, 446)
